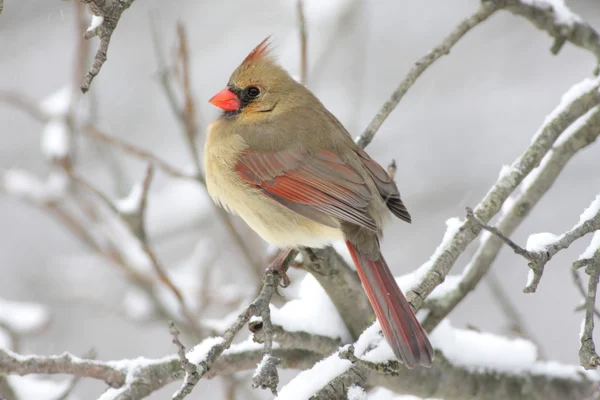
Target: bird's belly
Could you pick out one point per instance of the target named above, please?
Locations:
(273, 222)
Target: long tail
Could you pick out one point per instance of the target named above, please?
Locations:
(399, 324)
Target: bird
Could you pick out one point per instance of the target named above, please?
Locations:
(281, 161)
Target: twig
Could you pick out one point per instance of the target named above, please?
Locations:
(588, 357)
(110, 11)
(186, 114)
(13, 363)
(488, 250)
(543, 16)
(259, 307)
(23, 103)
(137, 152)
(487, 8)
(303, 42)
(492, 202)
(188, 367)
(538, 259)
(579, 285)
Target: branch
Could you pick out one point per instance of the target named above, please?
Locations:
(573, 107)
(303, 42)
(588, 357)
(260, 308)
(136, 152)
(513, 216)
(107, 13)
(568, 28)
(13, 363)
(539, 254)
(487, 8)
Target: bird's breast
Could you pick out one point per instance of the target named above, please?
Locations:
(273, 222)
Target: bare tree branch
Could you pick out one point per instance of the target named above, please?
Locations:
(588, 357)
(538, 258)
(489, 248)
(13, 363)
(564, 116)
(110, 11)
(487, 8)
(303, 42)
(544, 17)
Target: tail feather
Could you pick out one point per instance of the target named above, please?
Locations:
(398, 322)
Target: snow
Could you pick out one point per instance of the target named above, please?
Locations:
(263, 362)
(33, 387)
(96, 22)
(591, 211)
(538, 242)
(137, 305)
(575, 126)
(530, 278)
(313, 312)
(569, 97)
(532, 176)
(201, 350)
(131, 204)
(450, 284)
(247, 345)
(593, 246)
(23, 318)
(22, 184)
(504, 171)
(58, 103)
(356, 393)
(55, 139)
(386, 394)
(310, 381)
(562, 14)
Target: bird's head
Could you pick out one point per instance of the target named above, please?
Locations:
(258, 87)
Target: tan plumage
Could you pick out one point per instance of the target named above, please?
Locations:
(282, 162)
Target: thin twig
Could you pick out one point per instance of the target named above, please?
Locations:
(111, 11)
(137, 152)
(259, 307)
(588, 357)
(303, 42)
(486, 9)
(488, 250)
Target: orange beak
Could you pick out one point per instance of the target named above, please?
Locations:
(226, 100)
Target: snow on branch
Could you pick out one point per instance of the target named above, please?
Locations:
(106, 16)
(469, 365)
(574, 139)
(541, 247)
(580, 99)
(554, 17)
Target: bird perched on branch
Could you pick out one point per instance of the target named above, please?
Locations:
(277, 158)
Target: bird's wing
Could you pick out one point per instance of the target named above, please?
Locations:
(319, 185)
(386, 186)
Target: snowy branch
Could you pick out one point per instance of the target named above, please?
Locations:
(588, 357)
(541, 180)
(578, 101)
(542, 247)
(559, 22)
(206, 357)
(106, 16)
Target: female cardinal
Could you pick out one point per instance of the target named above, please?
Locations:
(287, 166)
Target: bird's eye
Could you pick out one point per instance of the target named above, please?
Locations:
(252, 91)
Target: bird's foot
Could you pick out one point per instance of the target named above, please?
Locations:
(277, 265)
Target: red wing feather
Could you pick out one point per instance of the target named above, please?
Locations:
(318, 185)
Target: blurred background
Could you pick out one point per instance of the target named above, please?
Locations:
(470, 113)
